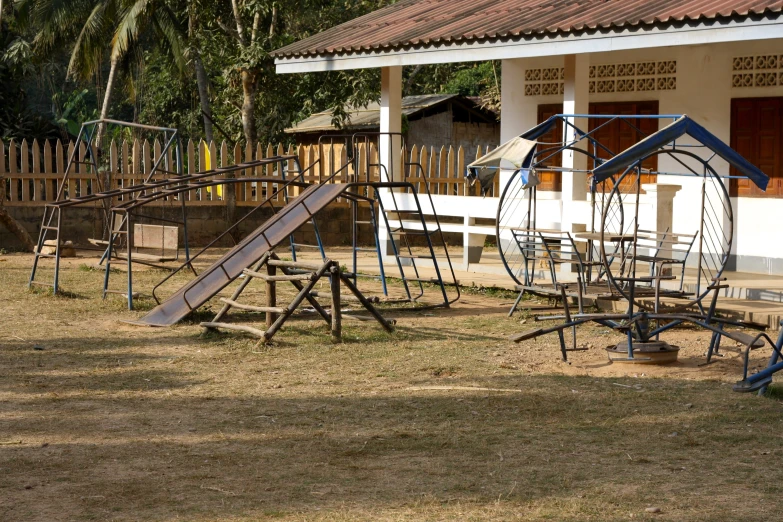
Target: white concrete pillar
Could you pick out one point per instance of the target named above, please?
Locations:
(389, 146)
(391, 121)
(660, 216)
(575, 101)
(518, 112)
(574, 184)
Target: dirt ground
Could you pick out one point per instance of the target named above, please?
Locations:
(443, 419)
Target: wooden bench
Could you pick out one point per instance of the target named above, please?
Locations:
(151, 244)
(154, 243)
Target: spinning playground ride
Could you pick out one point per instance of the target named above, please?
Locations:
(625, 261)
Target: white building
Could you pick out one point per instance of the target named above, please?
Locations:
(721, 63)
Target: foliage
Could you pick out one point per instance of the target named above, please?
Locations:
(158, 43)
(166, 98)
(71, 109)
(471, 80)
(17, 120)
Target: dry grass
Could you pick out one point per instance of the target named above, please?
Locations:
(442, 420)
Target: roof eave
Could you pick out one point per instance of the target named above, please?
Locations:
(688, 32)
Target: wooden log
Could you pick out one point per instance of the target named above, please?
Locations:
(334, 281)
(294, 264)
(271, 277)
(315, 304)
(237, 327)
(370, 308)
(271, 294)
(251, 308)
(304, 293)
(241, 288)
(358, 318)
(372, 299)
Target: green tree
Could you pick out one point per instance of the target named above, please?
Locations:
(117, 28)
(173, 26)
(83, 26)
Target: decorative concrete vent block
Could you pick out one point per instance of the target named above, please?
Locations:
(608, 78)
(545, 81)
(757, 71)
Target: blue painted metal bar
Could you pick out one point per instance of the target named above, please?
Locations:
(772, 367)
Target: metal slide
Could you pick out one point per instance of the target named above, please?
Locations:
(263, 239)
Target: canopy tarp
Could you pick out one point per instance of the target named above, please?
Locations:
(541, 129)
(666, 136)
(517, 151)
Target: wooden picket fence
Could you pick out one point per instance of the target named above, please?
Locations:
(33, 172)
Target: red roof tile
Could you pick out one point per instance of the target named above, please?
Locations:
(420, 23)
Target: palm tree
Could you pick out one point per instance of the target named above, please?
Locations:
(175, 31)
(86, 23)
(83, 22)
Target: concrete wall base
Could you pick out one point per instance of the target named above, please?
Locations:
(204, 224)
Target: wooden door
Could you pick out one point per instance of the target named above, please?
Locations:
(615, 136)
(619, 135)
(757, 135)
(550, 180)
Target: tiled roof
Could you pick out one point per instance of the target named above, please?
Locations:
(422, 23)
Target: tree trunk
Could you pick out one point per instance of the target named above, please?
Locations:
(249, 130)
(249, 107)
(201, 75)
(16, 229)
(106, 181)
(203, 94)
(107, 99)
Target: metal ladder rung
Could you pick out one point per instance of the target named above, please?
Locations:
(414, 256)
(38, 254)
(359, 249)
(123, 293)
(414, 232)
(366, 276)
(304, 245)
(433, 280)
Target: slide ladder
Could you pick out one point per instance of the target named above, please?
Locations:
(402, 205)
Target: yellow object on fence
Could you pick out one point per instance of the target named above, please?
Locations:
(208, 166)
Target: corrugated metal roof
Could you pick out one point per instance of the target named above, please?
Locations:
(370, 116)
(421, 23)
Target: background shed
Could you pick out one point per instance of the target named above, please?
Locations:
(433, 120)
